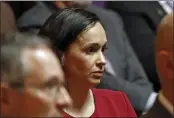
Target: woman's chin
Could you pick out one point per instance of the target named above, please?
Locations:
(95, 81)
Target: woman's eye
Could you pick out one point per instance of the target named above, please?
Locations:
(105, 48)
(91, 50)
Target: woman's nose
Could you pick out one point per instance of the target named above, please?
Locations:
(102, 59)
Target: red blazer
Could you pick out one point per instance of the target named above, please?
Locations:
(110, 103)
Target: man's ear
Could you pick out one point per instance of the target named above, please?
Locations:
(170, 67)
(60, 4)
(4, 99)
(4, 93)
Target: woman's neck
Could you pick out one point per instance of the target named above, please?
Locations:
(79, 92)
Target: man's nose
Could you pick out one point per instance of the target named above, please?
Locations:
(63, 99)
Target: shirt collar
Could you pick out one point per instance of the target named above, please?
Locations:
(166, 103)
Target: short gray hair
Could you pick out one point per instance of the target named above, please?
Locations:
(13, 70)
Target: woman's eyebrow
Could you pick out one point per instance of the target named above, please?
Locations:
(91, 44)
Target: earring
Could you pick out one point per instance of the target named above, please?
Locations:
(62, 60)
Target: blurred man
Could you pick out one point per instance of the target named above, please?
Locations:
(32, 82)
(163, 107)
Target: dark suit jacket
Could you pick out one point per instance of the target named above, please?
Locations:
(141, 19)
(157, 111)
(130, 76)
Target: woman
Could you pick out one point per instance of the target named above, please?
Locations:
(80, 41)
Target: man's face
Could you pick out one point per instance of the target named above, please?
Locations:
(164, 56)
(44, 87)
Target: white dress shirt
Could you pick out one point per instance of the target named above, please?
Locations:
(167, 5)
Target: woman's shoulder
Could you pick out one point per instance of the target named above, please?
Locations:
(113, 102)
(114, 97)
(108, 93)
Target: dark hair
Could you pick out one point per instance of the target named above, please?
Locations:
(65, 25)
(13, 70)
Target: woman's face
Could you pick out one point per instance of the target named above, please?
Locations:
(84, 60)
